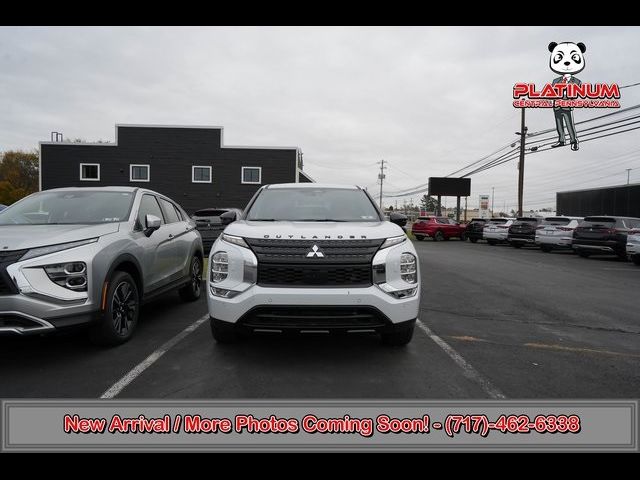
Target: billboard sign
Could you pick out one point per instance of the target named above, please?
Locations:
(449, 187)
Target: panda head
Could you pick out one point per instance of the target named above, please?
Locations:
(567, 57)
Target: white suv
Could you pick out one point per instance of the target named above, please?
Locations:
(312, 257)
(556, 232)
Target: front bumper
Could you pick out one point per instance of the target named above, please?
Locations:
(497, 236)
(20, 323)
(233, 309)
(520, 239)
(604, 246)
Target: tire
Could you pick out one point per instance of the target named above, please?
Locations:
(223, 334)
(622, 256)
(516, 245)
(398, 338)
(546, 248)
(120, 317)
(636, 259)
(419, 238)
(438, 236)
(491, 242)
(583, 253)
(191, 292)
(473, 240)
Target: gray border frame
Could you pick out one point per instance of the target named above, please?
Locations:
(377, 446)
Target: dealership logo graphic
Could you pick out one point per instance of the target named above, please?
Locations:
(315, 252)
(567, 91)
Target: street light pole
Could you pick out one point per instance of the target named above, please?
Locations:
(522, 133)
(628, 174)
(492, 193)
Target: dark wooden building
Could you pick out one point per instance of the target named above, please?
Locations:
(623, 201)
(188, 164)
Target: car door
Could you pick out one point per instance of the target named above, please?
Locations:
(180, 244)
(156, 248)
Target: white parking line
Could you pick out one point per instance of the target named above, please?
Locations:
(468, 371)
(130, 376)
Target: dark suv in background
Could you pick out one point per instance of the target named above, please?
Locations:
(603, 235)
(474, 229)
(523, 231)
(210, 222)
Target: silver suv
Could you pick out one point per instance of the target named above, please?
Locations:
(75, 256)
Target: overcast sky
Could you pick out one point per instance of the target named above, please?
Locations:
(427, 100)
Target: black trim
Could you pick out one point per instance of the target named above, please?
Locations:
(175, 285)
(314, 317)
(120, 259)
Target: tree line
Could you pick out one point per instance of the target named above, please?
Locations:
(18, 175)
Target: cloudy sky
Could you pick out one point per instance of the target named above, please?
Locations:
(427, 100)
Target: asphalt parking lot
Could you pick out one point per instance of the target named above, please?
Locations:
(495, 322)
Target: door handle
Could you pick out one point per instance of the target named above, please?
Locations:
(171, 235)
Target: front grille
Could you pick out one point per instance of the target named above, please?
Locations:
(7, 287)
(288, 275)
(313, 317)
(297, 251)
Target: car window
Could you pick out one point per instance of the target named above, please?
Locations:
(210, 212)
(149, 206)
(442, 221)
(607, 222)
(556, 221)
(169, 211)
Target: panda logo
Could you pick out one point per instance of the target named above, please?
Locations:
(567, 59)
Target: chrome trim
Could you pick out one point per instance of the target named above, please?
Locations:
(44, 325)
(593, 247)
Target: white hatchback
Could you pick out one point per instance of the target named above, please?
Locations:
(556, 232)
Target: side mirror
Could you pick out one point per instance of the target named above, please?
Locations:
(152, 223)
(228, 217)
(398, 218)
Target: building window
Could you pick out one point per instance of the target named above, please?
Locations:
(139, 173)
(252, 175)
(200, 174)
(90, 172)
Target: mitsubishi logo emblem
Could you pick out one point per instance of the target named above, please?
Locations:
(315, 252)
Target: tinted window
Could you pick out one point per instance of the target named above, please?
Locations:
(444, 221)
(607, 222)
(149, 206)
(313, 204)
(251, 175)
(90, 172)
(209, 212)
(498, 220)
(169, 211)
(556, 221)
(69, 207)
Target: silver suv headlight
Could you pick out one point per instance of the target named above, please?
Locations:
(233, 240)
(391, 241)
(72, 275)
(38, 252)
(219, 267)
(408, 268)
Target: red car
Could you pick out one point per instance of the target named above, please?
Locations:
(438, 228)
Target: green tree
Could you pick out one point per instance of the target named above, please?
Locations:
(18, 175)
(428, 203)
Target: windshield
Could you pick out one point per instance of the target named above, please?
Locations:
(69, 207)
(313, 205)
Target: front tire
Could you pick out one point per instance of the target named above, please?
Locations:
(636, 259)
(545, 248)
(398, 338)
(191, 292)
(473, 240)
(438, 237)
(583, 254)
(120, 317)
(516, 245)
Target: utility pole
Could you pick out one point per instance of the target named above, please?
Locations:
(492, 193)
(465, 209)
(381, 176)
(628, 174)
(523, 134)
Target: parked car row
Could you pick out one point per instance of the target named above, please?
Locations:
(587, 236)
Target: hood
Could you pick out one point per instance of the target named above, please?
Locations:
(313, 230)
(20, 237)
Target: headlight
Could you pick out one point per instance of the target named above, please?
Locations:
(408, 268)
(233, 240)
(38, 252)
(219, 267)
(391, 241)
(71, 275)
